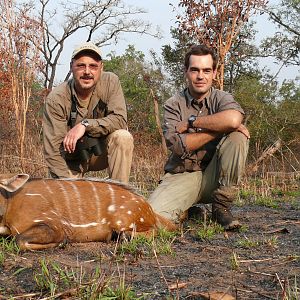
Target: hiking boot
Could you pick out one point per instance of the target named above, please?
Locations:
(197, 212)
(222, 201)
(224, 217)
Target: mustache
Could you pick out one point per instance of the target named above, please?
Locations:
(87, 77)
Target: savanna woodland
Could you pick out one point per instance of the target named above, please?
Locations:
(200, 261)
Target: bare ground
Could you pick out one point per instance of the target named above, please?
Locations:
(265, 267)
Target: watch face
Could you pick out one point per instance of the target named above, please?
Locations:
(191, 120)
(85, 123)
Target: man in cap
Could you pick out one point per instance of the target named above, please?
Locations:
(85, 121)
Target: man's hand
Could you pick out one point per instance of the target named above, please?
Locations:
(72, 137)
(243, 129)
(182, 127)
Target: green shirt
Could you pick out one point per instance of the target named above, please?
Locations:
(179, 108)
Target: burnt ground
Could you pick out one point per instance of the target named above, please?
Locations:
(262, 261)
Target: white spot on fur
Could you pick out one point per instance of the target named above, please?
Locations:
(123, 197)
(142, 219)
(38, 221)
(129, 212)
(123, 229)
(132, 225)
(112, 192)
(84, 225)
(119, 222)
(122, 206)
(32, 194)
(4, 230)
(112, 208)
(103, 221)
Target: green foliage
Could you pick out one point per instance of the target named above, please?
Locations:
(284, 44)
(139, 79)
(271, 112)
(173, 57)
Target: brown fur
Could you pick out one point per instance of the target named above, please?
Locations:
(43, 213)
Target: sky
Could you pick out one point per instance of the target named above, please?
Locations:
(161, 14)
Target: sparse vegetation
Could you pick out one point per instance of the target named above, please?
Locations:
(234, 261)
(208, 231)
(247, 243)
(168, 265)
(266, 201)
(142, 246)
(56, 280)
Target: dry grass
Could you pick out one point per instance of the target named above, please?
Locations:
(277, 173)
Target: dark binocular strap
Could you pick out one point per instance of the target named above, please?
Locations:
(73, 115)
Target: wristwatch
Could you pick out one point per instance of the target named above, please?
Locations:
(191, 120)
(85, 123)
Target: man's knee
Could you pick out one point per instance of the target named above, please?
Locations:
(122, 139)
(237, 137)
(235, 141)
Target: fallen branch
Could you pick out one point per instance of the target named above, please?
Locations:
(252, 168)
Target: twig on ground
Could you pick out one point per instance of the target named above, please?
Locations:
(249, 289)
(160, 268)
(260, 273)
(285, 222)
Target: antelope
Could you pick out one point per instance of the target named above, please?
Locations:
(44, 213)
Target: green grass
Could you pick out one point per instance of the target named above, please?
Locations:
(209, 231)
(143, 246)
(247, 243)
(56, 280)
(7, 246)
(234, 261)
(266, 201)
(292, 291)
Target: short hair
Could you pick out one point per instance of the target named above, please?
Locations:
(200, 50)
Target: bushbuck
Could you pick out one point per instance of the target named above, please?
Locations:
(44, 213)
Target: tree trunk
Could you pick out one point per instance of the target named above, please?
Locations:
(158, 124)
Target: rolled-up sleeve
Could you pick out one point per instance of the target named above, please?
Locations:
(175, 141)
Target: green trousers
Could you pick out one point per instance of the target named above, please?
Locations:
(178, 192)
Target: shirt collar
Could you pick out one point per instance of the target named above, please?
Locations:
(190, 99)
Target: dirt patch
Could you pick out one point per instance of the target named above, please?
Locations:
(260, 262)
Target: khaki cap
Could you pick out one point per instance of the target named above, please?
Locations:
(87, 46)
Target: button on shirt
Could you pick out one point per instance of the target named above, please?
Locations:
(179, 108)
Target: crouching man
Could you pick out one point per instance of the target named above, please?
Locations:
(85, 121)
(208, 144)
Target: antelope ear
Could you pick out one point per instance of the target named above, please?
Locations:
(12, 182)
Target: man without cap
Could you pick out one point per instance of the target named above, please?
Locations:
(85, 121)
(207, 141)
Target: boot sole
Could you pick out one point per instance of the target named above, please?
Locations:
(233, 225)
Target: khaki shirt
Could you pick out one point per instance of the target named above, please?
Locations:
(179, 108)
(106, 113)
